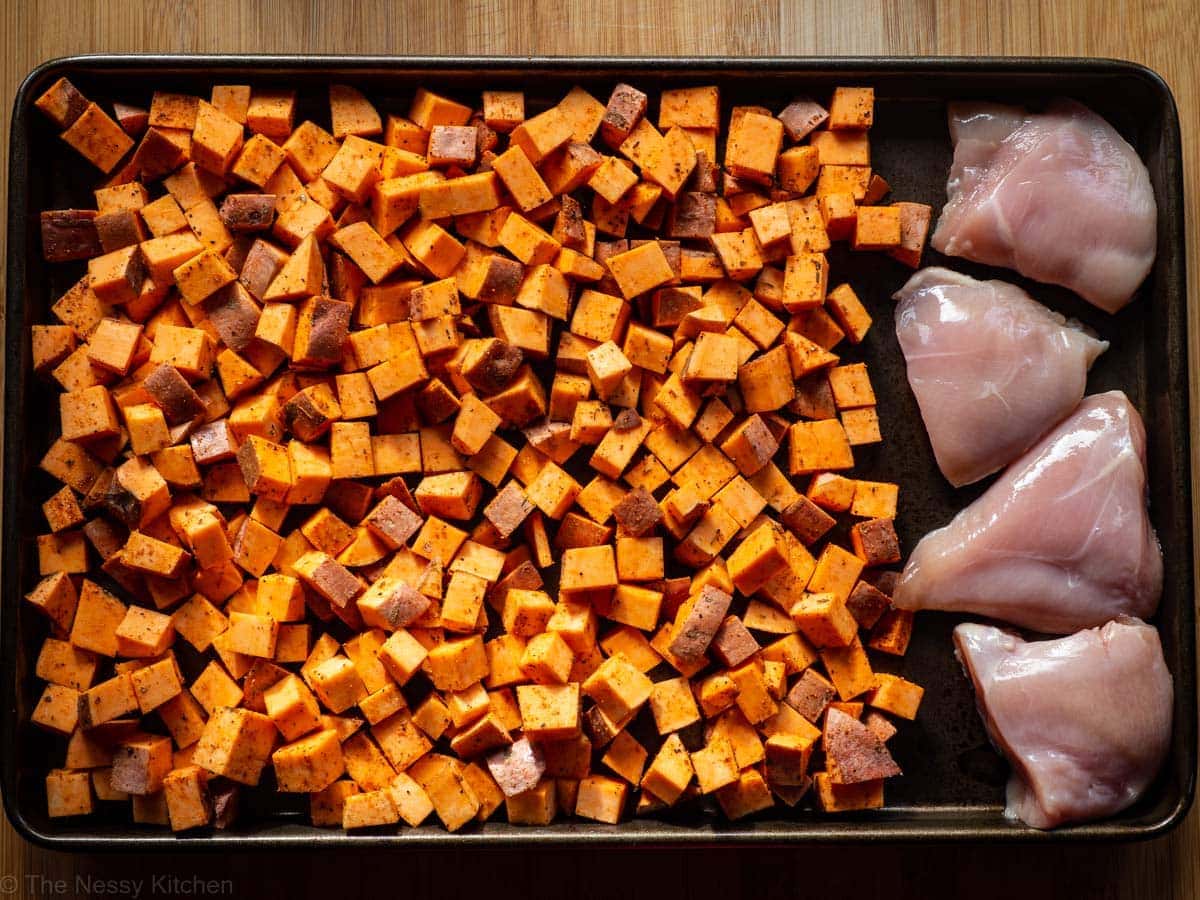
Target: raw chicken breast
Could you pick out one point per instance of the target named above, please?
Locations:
(993, 370)
(1061, 541)
(1059, 196)
(1084, 720)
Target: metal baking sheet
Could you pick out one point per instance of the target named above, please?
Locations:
(952, 787)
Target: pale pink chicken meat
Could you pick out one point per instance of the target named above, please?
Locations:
(1084, 720)
(1059, 196)
(992, 369)
(1061, 541)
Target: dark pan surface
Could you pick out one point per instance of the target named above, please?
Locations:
(952, 788)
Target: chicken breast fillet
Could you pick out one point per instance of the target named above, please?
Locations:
(1059, 196)
(992, 369)
(1084, 720)
(1061, 541)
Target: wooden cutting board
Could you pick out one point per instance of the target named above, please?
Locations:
(1163, 34)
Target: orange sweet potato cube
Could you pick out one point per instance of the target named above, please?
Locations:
(601, 799)
(753, 146)
(549, 712)
(852, 108)
(309, 764)
(236, 743)
(824, 619)
(68, 793)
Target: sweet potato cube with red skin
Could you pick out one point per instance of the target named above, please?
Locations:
(309, 413)
(697, 622)
(517, 767)
(393, 522)
(638, 512)
(62, 103)
(751, 445)
(452, 145)
(69, 234)
(867, 604)
(248, 212)
(626, 107)
(801, 117)
(856, 753)
(807, 520)
(178, 400)
(810, 695)
(733, 644)
(875, 542)
(327, 577)
(139, 766)
(508, 509)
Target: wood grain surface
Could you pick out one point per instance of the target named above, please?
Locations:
(1162, 34)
